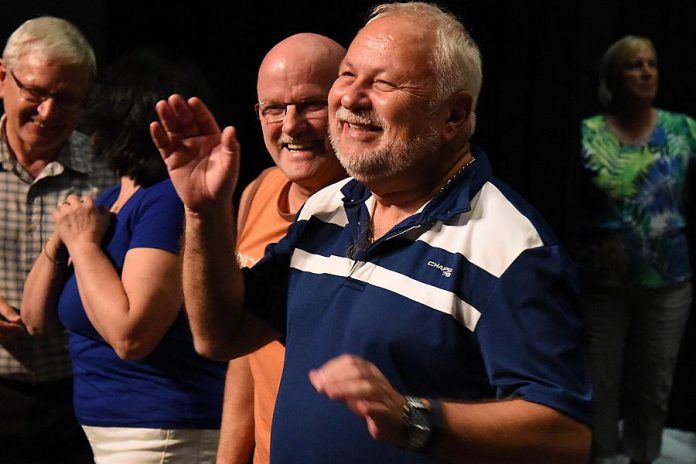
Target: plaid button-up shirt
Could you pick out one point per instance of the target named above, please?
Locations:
(26, 222)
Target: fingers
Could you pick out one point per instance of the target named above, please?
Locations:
(8, 313)
(72, 201)
(347, 376)
(365, 391)
(87, 201)
(202, 116)
(186, 123)
(168, 116)
(160, 139)
(11, 330)
(10, 322)
(180, 119)
(229, 140)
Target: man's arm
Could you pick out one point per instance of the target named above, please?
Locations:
(237, 428)
(505, 431)
(203, 165)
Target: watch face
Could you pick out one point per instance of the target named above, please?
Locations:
(418, 427)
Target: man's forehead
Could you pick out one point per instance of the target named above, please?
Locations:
(388, 35)
(284, 91)
(37, 65)
(285, 81)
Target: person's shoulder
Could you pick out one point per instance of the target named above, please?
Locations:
(515, 216)
(330, 192)
(159, 199)
(163, 188)
(272, 176)
(326, 200)
(109, 195)
(676, 122)
(664, 115)
(593, 122)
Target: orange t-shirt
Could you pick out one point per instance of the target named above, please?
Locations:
(265, 223)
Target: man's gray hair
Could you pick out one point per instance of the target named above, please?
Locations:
(456, 60)
(52, 37)
(609, 72)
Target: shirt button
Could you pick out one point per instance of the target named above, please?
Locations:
(32, 227)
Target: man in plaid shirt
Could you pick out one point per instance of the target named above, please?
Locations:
(46, 70)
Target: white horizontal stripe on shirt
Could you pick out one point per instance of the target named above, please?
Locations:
(436, 298)
(496, 233)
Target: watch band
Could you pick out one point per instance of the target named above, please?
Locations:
(423, 423)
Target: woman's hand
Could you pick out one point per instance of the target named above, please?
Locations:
(78, 220)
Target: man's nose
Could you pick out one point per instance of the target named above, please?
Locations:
(48, 108)
(294, 121)
(354, 97)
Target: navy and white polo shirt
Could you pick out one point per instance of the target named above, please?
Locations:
(470, 298)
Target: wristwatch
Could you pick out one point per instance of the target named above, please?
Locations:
(422, 423)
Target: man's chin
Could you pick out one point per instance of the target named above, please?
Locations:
(45, 139)
(40, 132)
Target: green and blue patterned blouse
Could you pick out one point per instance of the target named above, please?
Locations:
(633, 234)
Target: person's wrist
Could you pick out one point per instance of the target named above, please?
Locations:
(55, 251)
(82, 246)
(423, 423)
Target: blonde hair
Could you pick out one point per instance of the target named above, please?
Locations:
(52, 37)
(609, 71)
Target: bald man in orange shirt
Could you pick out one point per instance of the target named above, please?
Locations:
(293, 83)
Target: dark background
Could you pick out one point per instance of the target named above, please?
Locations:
(540, 73)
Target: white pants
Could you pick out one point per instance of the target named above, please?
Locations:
(125, 445)
(634, 342)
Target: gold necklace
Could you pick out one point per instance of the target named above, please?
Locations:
(371, 227)
(454, 176)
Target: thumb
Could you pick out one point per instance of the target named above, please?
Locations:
(8, 312)
(229, 141)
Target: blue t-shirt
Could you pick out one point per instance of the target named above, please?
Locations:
(172, 387)
(469, 299)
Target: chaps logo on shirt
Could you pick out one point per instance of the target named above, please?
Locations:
(446, 271)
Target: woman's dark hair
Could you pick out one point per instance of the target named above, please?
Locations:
(122, 107)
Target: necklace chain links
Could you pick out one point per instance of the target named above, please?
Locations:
(371, 229)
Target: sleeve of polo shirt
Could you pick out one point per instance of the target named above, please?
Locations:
(531, 334)
(266, 283)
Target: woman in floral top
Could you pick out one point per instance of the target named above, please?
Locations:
(634, 255)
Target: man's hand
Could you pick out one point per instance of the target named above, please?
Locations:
(203, 163)
(11, 325)
(364, 389)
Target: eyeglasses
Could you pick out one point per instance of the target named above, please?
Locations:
(38, 95)
(274, 112)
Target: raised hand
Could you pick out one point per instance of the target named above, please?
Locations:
(78, 220)
(364, 389)
(203, 164)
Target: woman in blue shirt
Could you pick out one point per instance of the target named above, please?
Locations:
(142, 394)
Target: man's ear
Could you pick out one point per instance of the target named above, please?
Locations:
(459, 113)
(3, 76)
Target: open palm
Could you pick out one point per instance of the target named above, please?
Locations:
(202, 162)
